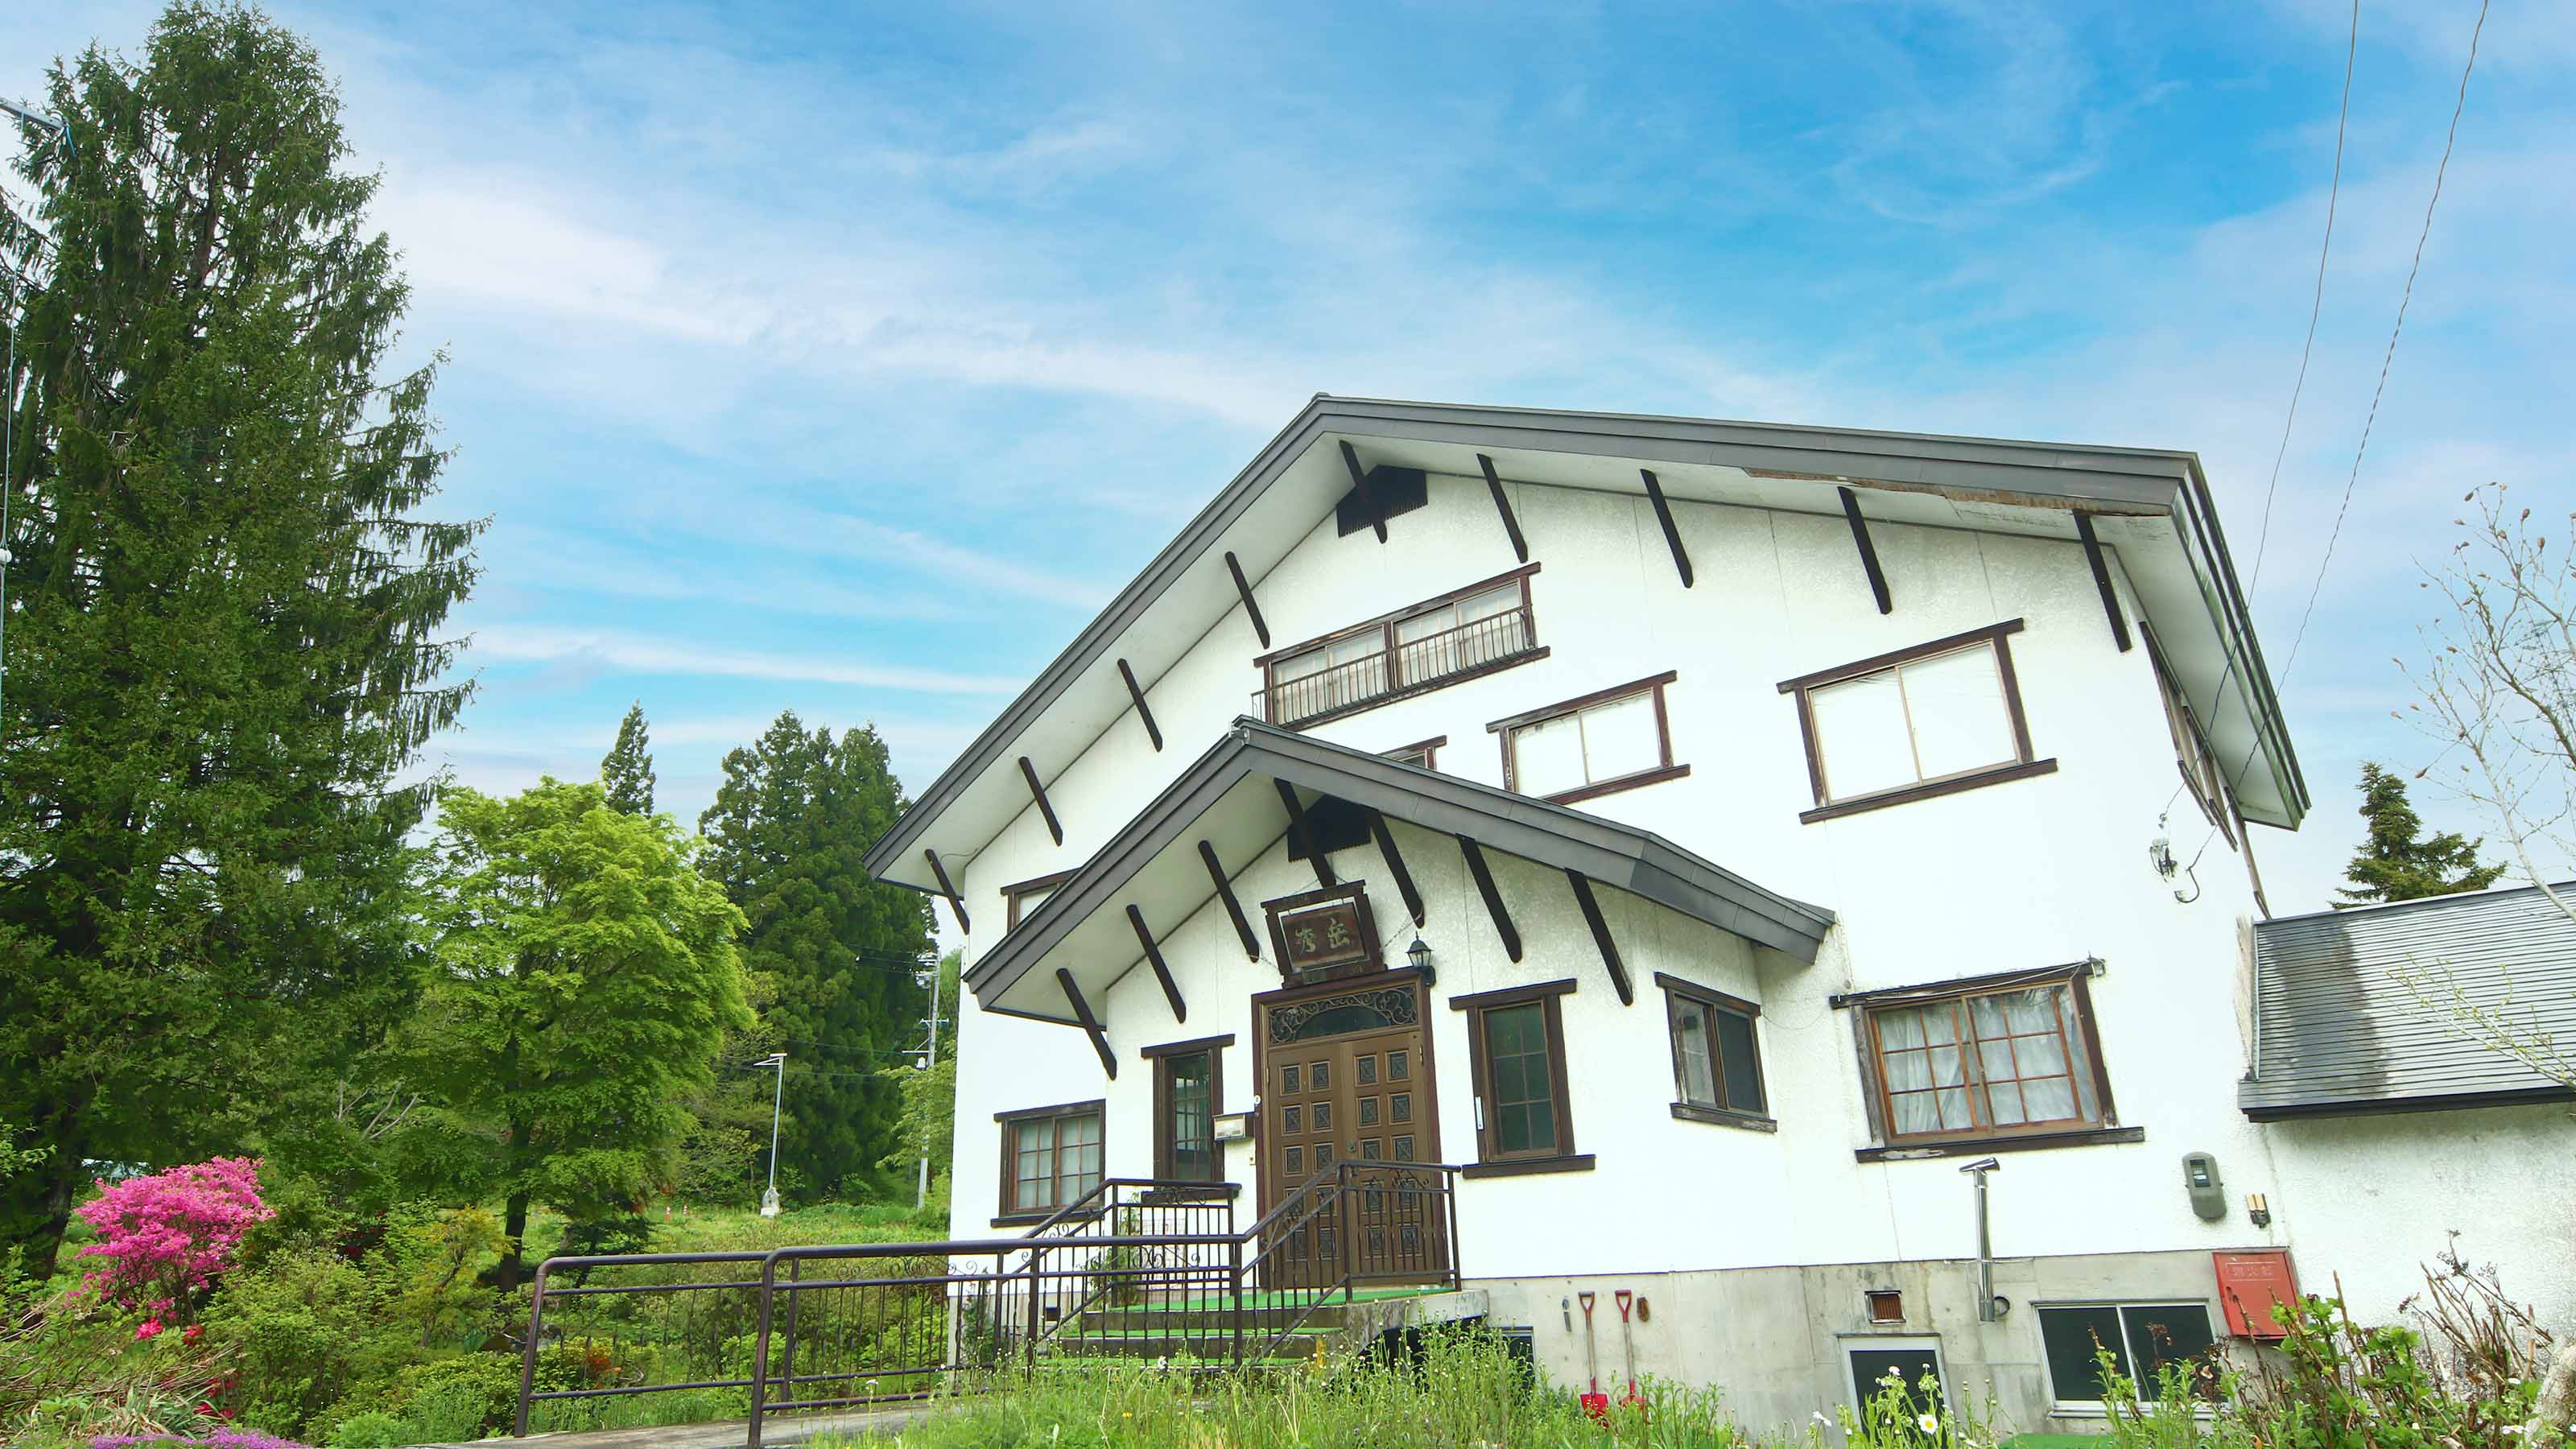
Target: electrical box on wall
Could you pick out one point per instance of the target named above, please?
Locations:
(2200, 1181)
(2251, 1285)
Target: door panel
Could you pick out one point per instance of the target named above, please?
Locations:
(1342, 1085)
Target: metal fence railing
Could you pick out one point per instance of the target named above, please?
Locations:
(1396, 666)
(1132, 1265)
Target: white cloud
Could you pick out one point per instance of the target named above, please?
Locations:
(638, 654)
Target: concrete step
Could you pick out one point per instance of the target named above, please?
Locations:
(1147, 1345)
(1174, 1318)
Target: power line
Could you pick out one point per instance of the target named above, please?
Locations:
(2316, 304)
(2459, 104)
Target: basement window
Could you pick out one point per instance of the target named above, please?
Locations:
(2143, 1340)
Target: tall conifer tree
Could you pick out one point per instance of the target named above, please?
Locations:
(225, 641)
(787, 836)
(627, 772)
(2395, 862)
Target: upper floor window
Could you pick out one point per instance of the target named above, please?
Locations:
(1717, 1068)
(1484, 626)
(1425, 753)
(1968, 1061)
(1613, 739)
(1026, 896)
(1920, 722)
(2193, 754)
(1050, 1157)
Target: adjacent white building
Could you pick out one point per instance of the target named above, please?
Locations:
(1709, 838)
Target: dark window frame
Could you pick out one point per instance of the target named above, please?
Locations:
(2023, 766)
(1393, 685)
(2104, 1126)
(1664, 769)
(1682, 996)
(1018, 891)
(2191, 742)
(1010, 1122)
(1560, 1155)
(1423, 753)
(2125, 1352)
(1162, 1057)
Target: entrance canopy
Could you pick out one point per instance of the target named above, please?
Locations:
(1231, 806)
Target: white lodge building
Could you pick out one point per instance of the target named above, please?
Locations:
(1774, 807)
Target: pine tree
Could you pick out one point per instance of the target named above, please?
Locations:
(627, 771)
(2394, 863)
(787, 836)
(224, 635)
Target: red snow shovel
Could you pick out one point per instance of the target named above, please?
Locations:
(1628, 1349)
(1595, 1403)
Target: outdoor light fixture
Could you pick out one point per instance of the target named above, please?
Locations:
(1418, 956)
(778, 1096)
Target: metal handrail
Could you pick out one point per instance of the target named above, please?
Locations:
(1398, 667)
(1203, 1261)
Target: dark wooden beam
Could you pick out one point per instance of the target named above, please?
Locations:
(1233, 907)
(1154, 958)
(1243, 586)
(1868, 550)
(948, 888)
(1503, 506)
(1493, 898)
(1395, 867)
(2102, 580)
(1037, 792)
(1305, 834)
(1090, 1023)
(1360, 486)
(1601, 937)
(1664, 516)
(1136, 692)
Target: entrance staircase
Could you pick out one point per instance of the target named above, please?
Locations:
(1276, 1328)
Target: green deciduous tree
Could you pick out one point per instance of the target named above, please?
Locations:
(224, 644)
(587, 975)
(2396, 862)
(627, 772)
(787, 836)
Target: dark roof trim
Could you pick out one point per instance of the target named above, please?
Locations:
(2398, 1106)
(1637, 861)
(2106, 479)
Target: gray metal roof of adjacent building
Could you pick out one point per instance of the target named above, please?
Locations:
(2362, 1010)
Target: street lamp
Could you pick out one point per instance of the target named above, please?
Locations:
(769, 1199)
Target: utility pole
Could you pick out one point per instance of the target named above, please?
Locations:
(769, 1199)
(929, 1063)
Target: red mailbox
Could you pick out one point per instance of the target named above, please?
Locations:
(2251, 1285)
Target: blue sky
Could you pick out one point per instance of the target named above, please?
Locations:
(848, 359)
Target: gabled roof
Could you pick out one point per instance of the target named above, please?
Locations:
(1227, 798)
(2361, 1010)
(2150, 505)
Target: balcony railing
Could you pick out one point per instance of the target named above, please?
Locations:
(1396, 669)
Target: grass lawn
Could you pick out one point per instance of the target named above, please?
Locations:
(743, 1229)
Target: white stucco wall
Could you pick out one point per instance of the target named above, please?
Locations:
(2030, 873)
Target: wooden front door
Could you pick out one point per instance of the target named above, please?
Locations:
(1345, 1080)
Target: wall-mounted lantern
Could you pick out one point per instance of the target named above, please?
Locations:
(1418, 956)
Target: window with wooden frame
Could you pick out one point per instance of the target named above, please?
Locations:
(1717, 1066)
(1024, 898)
(1050, 1157)
(1609, 740)
(1475, 630)
(2194, 756)
(1930, 720)
(1516, 1056)
(1425, 753)
(1189, 1095)
(1996, 1058)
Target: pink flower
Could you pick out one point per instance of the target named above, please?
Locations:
(166, 1236)
(147, 1328)
(194, 1332)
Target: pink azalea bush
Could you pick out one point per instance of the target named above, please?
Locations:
(164, 1237)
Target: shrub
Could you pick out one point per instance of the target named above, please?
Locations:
(310, 1331)
(163, 1238)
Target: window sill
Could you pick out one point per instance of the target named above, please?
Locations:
(1026, 1220)
(1721, 1117)
(1907, 795)
(1524, 1166)
(1968, 1146)
(1362, 706)
(1624, 782)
